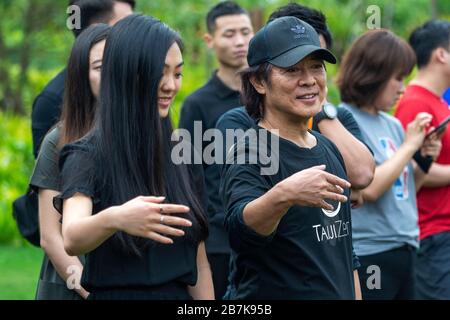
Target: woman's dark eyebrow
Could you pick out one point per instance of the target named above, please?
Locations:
(179, 65)
(96, 61)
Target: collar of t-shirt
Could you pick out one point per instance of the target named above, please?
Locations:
(222, 90)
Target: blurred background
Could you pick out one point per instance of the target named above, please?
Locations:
(34, 47)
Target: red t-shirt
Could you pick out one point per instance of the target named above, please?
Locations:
(433, 203)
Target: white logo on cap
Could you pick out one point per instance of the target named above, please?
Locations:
(298, 29)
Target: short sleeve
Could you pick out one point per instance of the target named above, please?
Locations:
(77, 174)
(241, 184)
(46, 171)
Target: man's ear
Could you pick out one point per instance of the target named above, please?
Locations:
(259, 85)
(208, 38)
(440, 54)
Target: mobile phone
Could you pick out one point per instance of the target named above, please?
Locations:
(440, 128)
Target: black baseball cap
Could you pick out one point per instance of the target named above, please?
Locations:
(284, 42)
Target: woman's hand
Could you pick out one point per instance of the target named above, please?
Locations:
(415, 131)
(432, 146)
(148, 217)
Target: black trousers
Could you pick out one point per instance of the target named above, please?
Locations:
(168, 291)
(51, 286)
(219, 263)
(389, 275)
(433, 267)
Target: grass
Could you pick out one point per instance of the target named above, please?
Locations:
(19, 272)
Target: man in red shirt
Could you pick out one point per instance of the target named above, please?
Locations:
(431, 43)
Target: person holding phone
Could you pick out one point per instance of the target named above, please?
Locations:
(431, 44)
(440, 129)
(385, 229)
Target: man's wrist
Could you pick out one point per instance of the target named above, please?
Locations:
(283, 193)
(328, 112)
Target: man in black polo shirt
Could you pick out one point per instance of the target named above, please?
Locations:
(290, 230)
(229, 32)
(47, 105)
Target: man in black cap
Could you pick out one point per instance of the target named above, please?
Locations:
(337, 124)
(290, 231)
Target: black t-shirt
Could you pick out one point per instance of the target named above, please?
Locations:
(206, 105)
(46, 171)
(46, 176)
(309, 256)
(109, 267)
(47, 109)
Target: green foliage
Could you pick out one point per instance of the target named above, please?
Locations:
(20, 268)
(16, 161)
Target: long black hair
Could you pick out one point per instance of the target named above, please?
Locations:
(132, 143)
(79, 103)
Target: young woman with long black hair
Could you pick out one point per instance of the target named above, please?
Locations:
(80, 102)
(136, 214)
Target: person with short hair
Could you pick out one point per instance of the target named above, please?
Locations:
(385, 229)
(290, 230)
(337, 124)
(431, 44)
(229, 32)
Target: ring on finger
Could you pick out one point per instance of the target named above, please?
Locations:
(161, 219)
